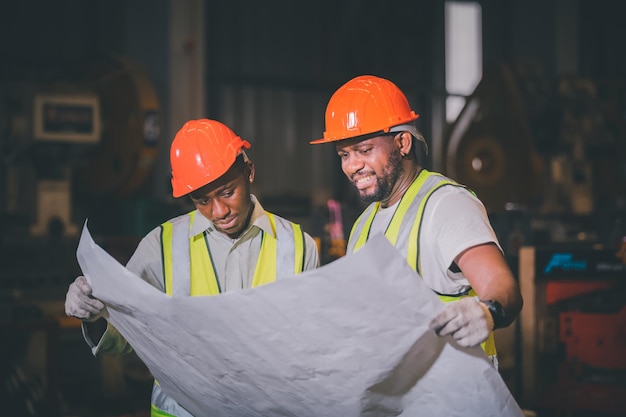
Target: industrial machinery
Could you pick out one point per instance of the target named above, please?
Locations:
(489, 147)
(96, 134)
(573, 330)
(69, 143)
(549, 162)
(555, 149)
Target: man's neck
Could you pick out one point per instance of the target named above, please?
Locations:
(409, 175)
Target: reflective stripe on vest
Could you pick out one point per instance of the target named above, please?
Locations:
(282, 255)
(404, 229)
(279, 258)
(189, 259)
(164, 405)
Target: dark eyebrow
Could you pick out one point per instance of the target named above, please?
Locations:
(229, 185)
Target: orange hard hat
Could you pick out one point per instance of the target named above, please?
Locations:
(365, 104)
(202, 151)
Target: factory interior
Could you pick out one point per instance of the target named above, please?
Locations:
(524, 102)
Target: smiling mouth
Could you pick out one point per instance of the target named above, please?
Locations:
(364, 181)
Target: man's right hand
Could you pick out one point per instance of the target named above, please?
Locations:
(80, 304)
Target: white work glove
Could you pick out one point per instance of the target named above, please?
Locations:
(80, 304)
(468, 321)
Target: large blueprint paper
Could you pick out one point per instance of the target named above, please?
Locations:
(348, 339)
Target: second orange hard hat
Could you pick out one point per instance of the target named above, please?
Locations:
(201, 152)
(364, 105)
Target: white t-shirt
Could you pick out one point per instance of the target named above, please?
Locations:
(454, 220)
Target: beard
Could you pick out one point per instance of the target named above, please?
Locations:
(385, 181)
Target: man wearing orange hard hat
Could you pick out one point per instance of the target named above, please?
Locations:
(439, 226)
(228, 243)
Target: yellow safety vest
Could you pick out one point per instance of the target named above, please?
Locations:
(282, 255)
(404, 230)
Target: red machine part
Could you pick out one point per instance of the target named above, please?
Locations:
(593, 339)
(561, 290)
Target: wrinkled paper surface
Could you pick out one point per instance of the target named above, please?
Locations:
(348, 339)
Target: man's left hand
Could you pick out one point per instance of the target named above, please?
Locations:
(468, 321)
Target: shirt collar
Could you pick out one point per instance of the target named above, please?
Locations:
(258, 219)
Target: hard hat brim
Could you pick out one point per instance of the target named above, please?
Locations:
(395, 129)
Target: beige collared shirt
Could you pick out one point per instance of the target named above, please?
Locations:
(234, 262)
(234, 259)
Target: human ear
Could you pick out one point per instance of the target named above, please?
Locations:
(404, 141)
(250, 171)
